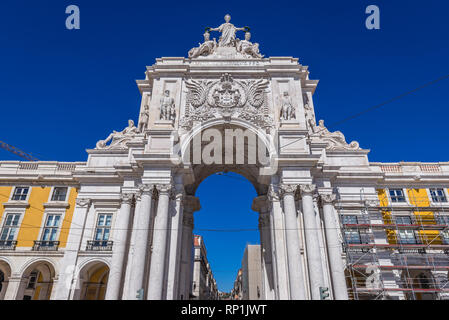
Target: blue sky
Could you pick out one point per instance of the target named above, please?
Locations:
(62, 90)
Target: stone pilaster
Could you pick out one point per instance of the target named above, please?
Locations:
(119, 248)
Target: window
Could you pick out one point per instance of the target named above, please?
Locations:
(103, 227)
(51, 227)
(438, 195)
(407, 237)
(403, 220)
(349, 219)
(10, 227)
(59, 194)
(32, 280)
(352, 236)
(442, 220)
(397, 195)
(20, 193)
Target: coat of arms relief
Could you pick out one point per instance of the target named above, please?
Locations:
(226, 98)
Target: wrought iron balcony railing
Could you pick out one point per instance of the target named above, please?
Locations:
(99, 245)
(8, 244)
(45, 245)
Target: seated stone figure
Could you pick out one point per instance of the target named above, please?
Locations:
(246, 47)
(118, 138)
(204, 49)
(336, 140)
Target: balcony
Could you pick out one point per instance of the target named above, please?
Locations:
(45, 245)
(8, 244)
(99, 245)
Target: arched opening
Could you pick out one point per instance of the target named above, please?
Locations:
(37, 282)
(420, 283)
(230, 165)
(5, 273)
(93, 281)
(225, 223)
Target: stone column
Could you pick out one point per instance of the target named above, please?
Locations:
(119, 248)
(191, 204)
(140, 238)
(68, 271)
(159, 247)
(333, 244)
(295, 270)
(175, 244)
(278, 245)
(312, 245)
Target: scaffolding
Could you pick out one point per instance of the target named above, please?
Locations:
(396, 252)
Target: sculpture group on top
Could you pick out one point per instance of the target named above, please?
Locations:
(228, 44)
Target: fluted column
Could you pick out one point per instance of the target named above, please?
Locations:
(312, 245)
(159, 248)
(119, 237)
(334, 248)
(296, 278)
(140, 237)
(190, 204)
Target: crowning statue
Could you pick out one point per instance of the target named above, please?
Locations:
(118, 138)
(287, 109)
(168, 111)
(228, 45)
(228, 31)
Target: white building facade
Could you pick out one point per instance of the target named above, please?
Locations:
(327, 215)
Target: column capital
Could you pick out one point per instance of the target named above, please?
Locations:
(126, 198)
(273, 193)
(191, 204)
(164, 188)
(82, 202)
(328, 198)
(307, 189)
(146, 189)
(287, 189)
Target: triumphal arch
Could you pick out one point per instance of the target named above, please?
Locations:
(224, 107)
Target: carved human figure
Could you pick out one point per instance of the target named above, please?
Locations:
(205, 48)
(168, 111)
(336, 139)
(310, 117)
(287, 109)
(119, 136)
(144, 117)
(247, 47)
(228, 31)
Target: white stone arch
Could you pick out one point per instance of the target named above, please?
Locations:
(268, 140)
(85, 271)
(5, 274)
(46, 273)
